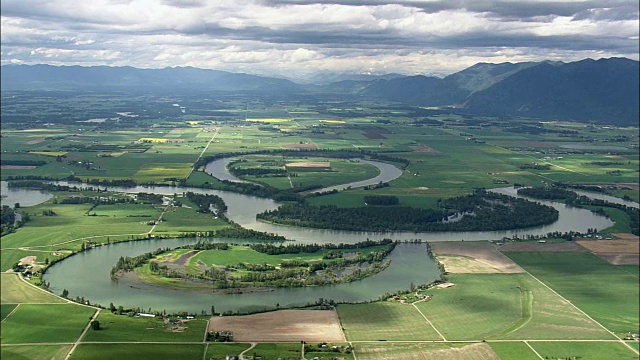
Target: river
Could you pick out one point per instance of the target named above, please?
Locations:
(87, 273)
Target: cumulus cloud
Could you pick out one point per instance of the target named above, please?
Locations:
(285, 37)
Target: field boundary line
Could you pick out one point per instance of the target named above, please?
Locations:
(9, 314)
(534, 350)
(86, 328)
(204, 354)
(202, 153)
(585, 314)
(434, 328)
(67, 301)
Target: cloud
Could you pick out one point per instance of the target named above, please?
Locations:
(284, 37)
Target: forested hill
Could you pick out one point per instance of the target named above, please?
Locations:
(604, 91)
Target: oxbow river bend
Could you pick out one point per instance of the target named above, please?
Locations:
(87, 274)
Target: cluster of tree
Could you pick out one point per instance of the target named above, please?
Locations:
(483, 211)
(534, 166)
(22, 162)
(126, 263)
(39, 185)
(255, 267)
(104, 182)
(234, 232)
(149, 198)
(605, 163)
(100, 200)
(7, 219)
(206, 245)
(360, 219)
(381, 200)
(271, 249)
(204, 202)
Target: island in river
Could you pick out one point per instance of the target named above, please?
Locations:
(230, 268)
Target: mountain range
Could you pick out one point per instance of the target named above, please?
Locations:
(604, 90)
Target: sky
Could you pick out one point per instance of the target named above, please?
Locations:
(298, 39)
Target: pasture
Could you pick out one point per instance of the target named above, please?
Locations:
(605, 292)
(50, 323)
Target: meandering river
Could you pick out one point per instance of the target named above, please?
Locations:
(87, 274)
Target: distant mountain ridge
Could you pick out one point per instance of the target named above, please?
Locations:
(604, 90)
(47, 77)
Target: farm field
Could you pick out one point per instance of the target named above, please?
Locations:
(283, 325)
(504, 306)
(384, 321)
(513, 351)
(582, 350)
(580, 277)
(138, 351)
(624, 251)
(15, 291)
(473, 257)
(35, 352)
(122, 328)
(32, 323)
(419, 351)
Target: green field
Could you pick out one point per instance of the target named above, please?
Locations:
(513, 351)
(6, 309)
(121, 328)
(138, 351)
(45, 323)
(504, 306)
(603, 291)
(238, 254)
(584, 350)
(35, 352)
(384, 321)
(14, 291)
(438, 351)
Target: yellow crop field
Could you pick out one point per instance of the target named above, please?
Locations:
(160, 140)
(333, 121)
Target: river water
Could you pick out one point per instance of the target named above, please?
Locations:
(87, 273)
